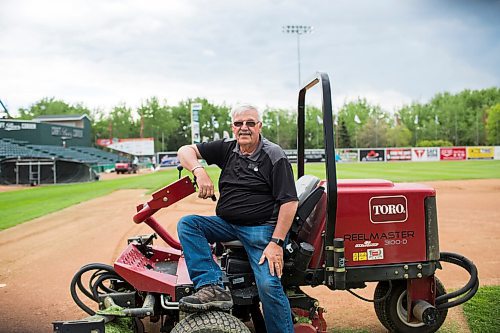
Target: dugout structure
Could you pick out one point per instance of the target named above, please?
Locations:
(50, 150)
(34, 171)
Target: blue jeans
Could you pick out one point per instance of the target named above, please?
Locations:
(195, 234)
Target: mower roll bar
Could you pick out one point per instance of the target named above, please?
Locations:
(163, 198)
(331, 172)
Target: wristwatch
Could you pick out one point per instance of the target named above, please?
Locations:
(278, 241)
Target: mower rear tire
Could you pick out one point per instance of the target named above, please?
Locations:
(210, 322)
(392, 312)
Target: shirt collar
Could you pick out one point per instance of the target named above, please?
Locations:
(255, 155)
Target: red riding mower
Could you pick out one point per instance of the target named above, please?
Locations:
(345, 234)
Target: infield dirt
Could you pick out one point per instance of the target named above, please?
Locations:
(39, 258)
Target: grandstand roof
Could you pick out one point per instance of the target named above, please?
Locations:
(56, 117)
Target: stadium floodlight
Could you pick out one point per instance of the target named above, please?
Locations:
(5, 113)
(298, 30)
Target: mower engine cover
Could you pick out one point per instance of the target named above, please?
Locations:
(386, 223)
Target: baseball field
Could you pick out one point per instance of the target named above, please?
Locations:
(47, 233)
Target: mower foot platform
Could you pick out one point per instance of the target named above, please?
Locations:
(79, 326)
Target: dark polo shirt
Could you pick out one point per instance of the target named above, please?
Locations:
(252, 187)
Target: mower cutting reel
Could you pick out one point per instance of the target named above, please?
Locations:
(346, 233)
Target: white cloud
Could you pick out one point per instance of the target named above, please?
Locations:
(103, 53)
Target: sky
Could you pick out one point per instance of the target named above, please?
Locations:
(105, 53)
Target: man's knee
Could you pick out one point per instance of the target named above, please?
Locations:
(269, 285)
(185, 223)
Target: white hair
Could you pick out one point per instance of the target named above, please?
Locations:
(238, 109)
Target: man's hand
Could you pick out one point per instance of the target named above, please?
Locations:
(188, 156)
(205, 184)
(274, 255)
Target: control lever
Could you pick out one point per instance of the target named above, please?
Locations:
(179, 167)
(213, 197)
(143, 247)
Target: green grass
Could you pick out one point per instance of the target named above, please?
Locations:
(482, 313)
(483, 310)
(23, 205)
(413, 171)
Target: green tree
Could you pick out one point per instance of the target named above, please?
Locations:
(373, 133)
(50, 106)
(493, 125)
(461, 117)
(399, 136)
(270, 124)
(121, 123)
(434, 143)
(354, 115)
(181, 134)
(214, 121)
(314, 136)
(344, 140)
(156, 120)
(280, 127)
(100, 125)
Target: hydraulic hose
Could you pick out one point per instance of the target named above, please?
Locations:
(99, 284)
(102, 272)
(465, 293)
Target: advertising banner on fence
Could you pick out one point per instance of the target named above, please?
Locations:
(346, 155)
(453, 153)
(371, 155)
(168, 158)
(480, 153)
(423, 154)
(497, 152)
(398, 154)
(136, 147)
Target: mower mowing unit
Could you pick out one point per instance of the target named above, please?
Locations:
(345, 234)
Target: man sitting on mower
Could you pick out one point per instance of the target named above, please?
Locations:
(257, 205)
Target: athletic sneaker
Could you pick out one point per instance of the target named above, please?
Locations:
(209, 297)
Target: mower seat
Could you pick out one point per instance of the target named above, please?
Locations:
(305, 186)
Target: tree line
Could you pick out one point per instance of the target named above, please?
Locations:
(470, 117)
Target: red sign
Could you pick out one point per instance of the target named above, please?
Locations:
(388, 209)
(453, 153)
(104, 142)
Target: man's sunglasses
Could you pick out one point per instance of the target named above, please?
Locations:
(249, 123)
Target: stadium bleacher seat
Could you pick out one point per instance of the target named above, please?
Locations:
(89, 155)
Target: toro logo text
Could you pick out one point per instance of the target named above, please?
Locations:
(388, 209)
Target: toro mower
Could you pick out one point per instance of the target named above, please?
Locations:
(345, 234)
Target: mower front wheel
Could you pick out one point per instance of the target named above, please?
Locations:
(392, 312)
(210, 322)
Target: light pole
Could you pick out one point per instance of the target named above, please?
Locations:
(477, 128)
(377, 119)
(357, 121)
(497, 141)
(278, 128)
(298, 30)
(436, 123)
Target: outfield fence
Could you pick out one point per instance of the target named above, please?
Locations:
(354, 155)
(417, 154)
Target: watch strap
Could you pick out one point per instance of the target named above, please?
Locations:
(278, 241)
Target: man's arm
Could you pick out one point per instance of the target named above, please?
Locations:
(188, 156)
(273, 252)
(285, 219)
